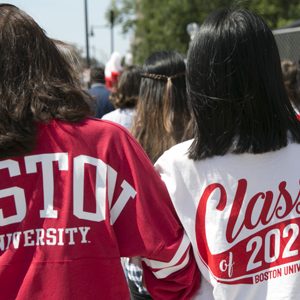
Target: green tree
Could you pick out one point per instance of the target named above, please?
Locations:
(161, 24)
(277, 13)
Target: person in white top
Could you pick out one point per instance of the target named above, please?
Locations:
(236, 185)
(125, 98)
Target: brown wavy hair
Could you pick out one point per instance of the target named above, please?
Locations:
(290, 73)
(128, 87)
(163, 117)
(36, 83)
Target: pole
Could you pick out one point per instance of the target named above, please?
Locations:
(88, 61)
(112, 21)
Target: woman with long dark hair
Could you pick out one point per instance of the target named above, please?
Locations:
(235, 186)
(162, 114)
(72, 195)
(162, 120)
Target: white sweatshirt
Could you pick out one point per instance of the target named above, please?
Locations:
(242, 215)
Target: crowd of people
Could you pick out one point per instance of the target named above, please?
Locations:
(176, 179)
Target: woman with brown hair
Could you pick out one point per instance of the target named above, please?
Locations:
(290, 73)
(125, 97)
(162, 120)
(163, 117)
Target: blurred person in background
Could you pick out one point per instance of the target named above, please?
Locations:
(73, 198)
(235, 186)
(290, 73)
(113, 69)
(99, 92)
(125, 98)
(161, 121)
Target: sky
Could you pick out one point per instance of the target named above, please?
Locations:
(65, 20)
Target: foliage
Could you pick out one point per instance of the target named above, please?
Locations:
(161, 24)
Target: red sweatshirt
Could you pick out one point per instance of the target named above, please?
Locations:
(69, 210)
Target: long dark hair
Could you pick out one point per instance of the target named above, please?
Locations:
(235, 87)
(162, 110)
(36, 83)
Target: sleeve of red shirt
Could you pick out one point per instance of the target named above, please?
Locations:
(148, 226)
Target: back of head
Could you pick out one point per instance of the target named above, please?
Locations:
(128, 88)
(162, 111)
(97, 75)
(68, 51)
(235, 87)
(290, 73)
(289, 70)
(36, 82)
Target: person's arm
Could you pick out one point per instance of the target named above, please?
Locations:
(147, 226)
(177, 278)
